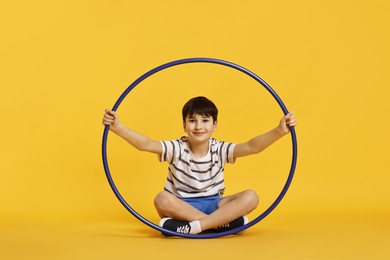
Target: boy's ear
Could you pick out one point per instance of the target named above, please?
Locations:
(215, 126)
(184, 126)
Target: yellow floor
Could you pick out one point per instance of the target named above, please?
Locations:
(306, 235)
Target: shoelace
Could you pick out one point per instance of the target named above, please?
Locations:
(224, 226)
(183, 229)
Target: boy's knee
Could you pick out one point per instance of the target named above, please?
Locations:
(251, 198)
(163, 200)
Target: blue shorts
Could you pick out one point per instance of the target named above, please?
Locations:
(205, 204)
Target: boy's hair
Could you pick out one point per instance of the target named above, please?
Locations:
(200, 105)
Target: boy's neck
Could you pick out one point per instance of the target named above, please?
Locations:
(199, 149)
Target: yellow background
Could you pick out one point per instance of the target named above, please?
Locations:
(64, 62)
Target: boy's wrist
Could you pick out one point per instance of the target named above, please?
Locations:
(116, 128)
(281, 131)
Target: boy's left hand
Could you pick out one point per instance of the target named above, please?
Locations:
(286, 122)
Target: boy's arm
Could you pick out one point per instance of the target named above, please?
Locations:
(261, 142)
(138, 140)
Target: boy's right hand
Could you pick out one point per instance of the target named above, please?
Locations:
(111, 119)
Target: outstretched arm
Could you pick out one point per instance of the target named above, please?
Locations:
(138, 140)
(261, 142)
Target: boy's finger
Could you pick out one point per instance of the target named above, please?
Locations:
(110, 112)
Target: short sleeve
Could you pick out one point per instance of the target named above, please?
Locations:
(224, 151)
(162, 157)
(170, 149)
(230, 153)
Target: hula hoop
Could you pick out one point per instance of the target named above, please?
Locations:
(209, 235)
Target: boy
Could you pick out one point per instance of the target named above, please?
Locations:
(192, 199)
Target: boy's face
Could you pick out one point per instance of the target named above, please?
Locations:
(199, 128)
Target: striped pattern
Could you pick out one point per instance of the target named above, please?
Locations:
(189, 176)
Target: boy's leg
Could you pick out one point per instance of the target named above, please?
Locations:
(168, 205)
(230, 208)
(195, 221)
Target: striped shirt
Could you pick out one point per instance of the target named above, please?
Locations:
(189, 176)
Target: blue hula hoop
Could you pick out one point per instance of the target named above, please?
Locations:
(209, 235)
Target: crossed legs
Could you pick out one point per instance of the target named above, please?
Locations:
(230, 208)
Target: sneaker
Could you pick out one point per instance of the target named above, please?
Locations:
(175, 225)
(232, 225)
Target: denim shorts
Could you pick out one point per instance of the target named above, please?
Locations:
(206, 205)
